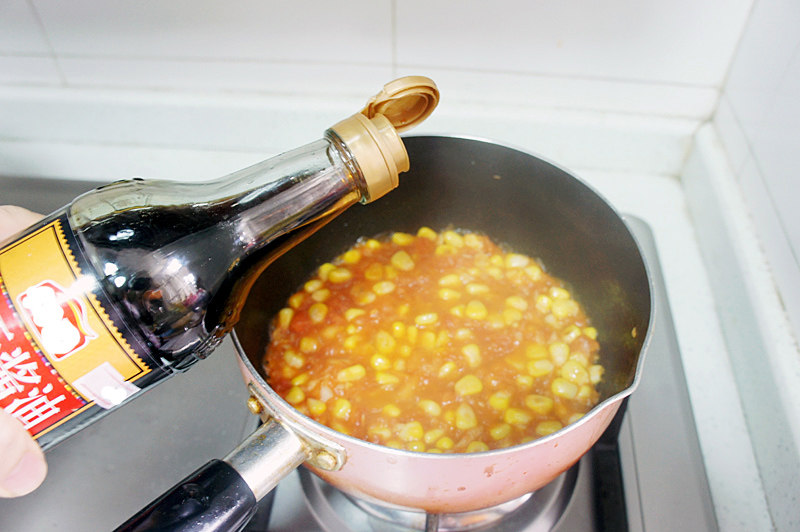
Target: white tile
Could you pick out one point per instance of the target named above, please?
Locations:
(357, 31)
(35, 70)
(731, 134)
(19, 31)
(683, 41)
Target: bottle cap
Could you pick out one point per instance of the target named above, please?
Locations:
(372, 135)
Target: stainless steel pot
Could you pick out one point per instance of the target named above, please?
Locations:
(520, 200)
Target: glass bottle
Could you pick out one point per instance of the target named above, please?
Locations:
(139, 279)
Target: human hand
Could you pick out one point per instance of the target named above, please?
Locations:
(22, 463)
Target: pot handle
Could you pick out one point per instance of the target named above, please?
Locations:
(222, 495)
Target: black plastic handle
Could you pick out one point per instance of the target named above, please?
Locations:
(215, 497)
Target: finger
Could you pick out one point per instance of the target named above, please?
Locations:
(14, 219)
(22, 463)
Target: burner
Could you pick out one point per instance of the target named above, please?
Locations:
(534, 512)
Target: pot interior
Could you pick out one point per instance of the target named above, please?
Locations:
(518, 200)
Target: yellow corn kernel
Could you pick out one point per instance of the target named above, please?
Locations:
(574, 417)
(468, 385)
(429, 318)
(511, 316)
(352, 313)
(497, 260)
(296, 300)
(434, 450)
(475, 289)
(473, 355)
(559, 353)
(382, 378)
(372, 244)
(403, 309)
(316, 407)
(340, 275)
(385, 342)
(402, 261)
(427, 232)
(536, 351)
(410, 431)
(517, 417)
(453, 239)
(477, 447)
(430, 407)
(416, 446)
(515, 361)
(330, 331)
(571, 333)
(543, 428)
(584, 392)
(500, 400)
(404, 351)
(365, 297)
(285, 316)
(445, 443)
(473, 241)
(380, 431)
(450, 416)
(590, 332)
(312, 285)
(498, 432)
(448, 369)
(411, 334)
(294, 359)
(432, 435)
(457, 311)
(476, 310)
(301, 379)
(321, 295)
(398, 329)
(351, 256)
(533, 271)
(575, 372)
(351, 373)
(541, 404)
(543, 303)
(524, 382)
(394, 444)
(563, 388)
(443, 338)
(317, 312)
(465, 417)
(448, 294)
(556, 292)
(351, 342)
(516, 260)
(427, 340)
(374, 272)
(495, 273)
(391, 410)
(324, 270)
(383, 287)
(450, 280)
(380, 362)
(596, 373)
(295, 395)
(565, 308)
(308, 344)
(539, 367)
(517, 302)
(399, 365)
(464, 334)
(402, 239)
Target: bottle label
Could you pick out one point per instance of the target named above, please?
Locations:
(60, 353)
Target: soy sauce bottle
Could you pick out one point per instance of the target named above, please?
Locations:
(140, 279)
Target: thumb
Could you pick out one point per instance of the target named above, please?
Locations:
(22, 463)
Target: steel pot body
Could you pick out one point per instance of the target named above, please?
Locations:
(521, 201)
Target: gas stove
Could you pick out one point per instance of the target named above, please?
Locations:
(645, 473)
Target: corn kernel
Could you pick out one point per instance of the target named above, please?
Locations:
(427, 340)
(511, 316)
(301, 379)
(324, 270)
(498, 432)
(524, 382)
(559, 353)
(384, 378)
(575, 372)
(352, 313)
(473, 355)
(465, 417)
(543, 303)
(445, 443)
(398, 329)
(517, 302)
(517, 416)
(380, 362)
(383, 287)
(317, 312)
(285, 316)
(412, 332)
(399, 365)
(450, 280)
(427, 232)
(473, 241)
(416, 446)
(321, 295)
(404, 351)
(539, 367)
(351, 342)
(571, 333)
(296, 300)
(443, 338)
(351, 373)
(312, 285)
(385, 342)
(464, 334)
(543, 428)
(457, 311)
(541, 404)
(391, 410)
(477, 447)
(574, 417)
(430, 407)
(294, 359)
(402, 261)
(429, 318)
(316, 407)
(434, 450)
(563, 388)
(536, 351)
(380, 431)
(534, 272)
(394, 444)
(402, 239)
(364, 297)
(351, 256)
(590, 332)
(596, 373)
(447, 369)
(584, 393)
(340, 275)
(468, 385)
(373, 244)
(308, 344)
(475, 289)
(432, 435)
(476, 310)
(565, 308)
(500, 400)
(453, 239)
(374, 272)
(495, 273)
(295, 395)
(330, 332)
(403, 309)
(556, 292)
(448, 294)
(497, 260)
(410, 431)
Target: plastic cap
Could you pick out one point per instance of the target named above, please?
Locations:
(372, 135)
